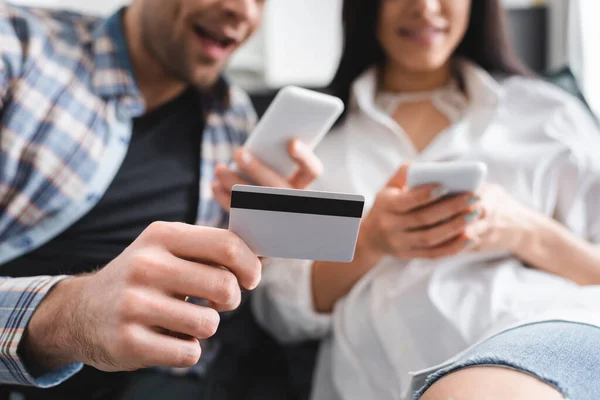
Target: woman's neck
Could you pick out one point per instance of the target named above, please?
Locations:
(400, 80)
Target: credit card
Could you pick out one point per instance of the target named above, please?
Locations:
(298, 224)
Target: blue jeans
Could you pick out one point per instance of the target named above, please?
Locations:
(565, 355)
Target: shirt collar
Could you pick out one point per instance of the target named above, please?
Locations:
(482, 89)
(113, 70)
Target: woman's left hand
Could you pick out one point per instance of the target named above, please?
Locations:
(502, 224)
(309, 168)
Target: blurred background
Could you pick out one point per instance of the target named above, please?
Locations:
(299, 42)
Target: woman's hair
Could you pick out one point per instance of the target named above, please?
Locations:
(486, 43)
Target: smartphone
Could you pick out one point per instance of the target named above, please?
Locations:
(295, 113)
(455, 176)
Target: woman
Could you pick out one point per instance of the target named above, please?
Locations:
(501, 281)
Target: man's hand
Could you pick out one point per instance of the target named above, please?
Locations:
(309, 168)
(132, 313)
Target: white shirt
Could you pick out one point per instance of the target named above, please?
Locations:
(539, 143)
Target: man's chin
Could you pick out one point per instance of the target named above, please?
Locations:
(205, 78)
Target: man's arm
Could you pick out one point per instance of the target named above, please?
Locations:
(19, 298)
(130, 314)
(12, 54)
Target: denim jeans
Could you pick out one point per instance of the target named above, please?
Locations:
(565, 355)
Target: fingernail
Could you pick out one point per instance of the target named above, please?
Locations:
(472, 216)
(474, 200)
(439, 192)
(246, 157)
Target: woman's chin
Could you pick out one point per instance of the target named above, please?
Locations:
(422, 63)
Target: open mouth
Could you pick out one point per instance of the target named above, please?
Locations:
(213, 38)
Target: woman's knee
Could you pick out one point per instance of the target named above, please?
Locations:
(490, 383)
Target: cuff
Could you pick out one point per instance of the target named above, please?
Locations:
(19, 298)
(284, 302)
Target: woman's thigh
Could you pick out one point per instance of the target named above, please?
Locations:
(544, 359)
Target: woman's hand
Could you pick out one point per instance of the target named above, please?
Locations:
(416, 223)
(309, 168)
(403, 223)
(503, 224)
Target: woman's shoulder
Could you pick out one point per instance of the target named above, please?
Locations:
(533, 99)
(527, 95)
(541, 107)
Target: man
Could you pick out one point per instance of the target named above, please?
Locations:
(106, 127)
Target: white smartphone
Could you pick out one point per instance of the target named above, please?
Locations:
(455, 176)
(295, 113)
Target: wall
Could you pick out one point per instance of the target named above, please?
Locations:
(583, 54)
(308, 53)
(529, 30)
(300, 40)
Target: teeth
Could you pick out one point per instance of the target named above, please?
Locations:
(222, 42)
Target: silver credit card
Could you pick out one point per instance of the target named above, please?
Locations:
(299, 224)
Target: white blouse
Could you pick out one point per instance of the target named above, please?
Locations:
(407, 318)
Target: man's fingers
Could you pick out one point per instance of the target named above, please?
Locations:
(222, 196)
(174, 315)
(228, 178)
(154, 349)
(186, 278)
(259, 173)
(208, 246)
(309, 165)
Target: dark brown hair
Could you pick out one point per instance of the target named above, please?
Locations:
(486, 43)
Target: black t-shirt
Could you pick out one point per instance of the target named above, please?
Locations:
(158, 181)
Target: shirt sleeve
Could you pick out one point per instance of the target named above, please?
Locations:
(241, 104)
(11, 50)
(19, 298)
(576, 176)
(3, 83)
(283, 305)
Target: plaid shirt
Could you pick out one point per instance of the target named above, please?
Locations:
(67, 99)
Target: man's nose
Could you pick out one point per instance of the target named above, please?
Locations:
(247, 10)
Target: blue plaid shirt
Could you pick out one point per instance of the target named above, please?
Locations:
(67, 100)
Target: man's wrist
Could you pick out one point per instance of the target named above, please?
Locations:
(47, 343)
